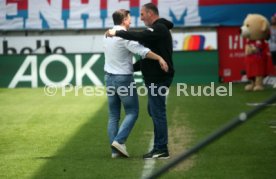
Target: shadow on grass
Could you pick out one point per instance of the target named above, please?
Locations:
(81, 154)
(87, 155)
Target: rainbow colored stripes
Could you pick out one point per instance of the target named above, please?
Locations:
(194, 42)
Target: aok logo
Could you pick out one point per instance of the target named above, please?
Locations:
(75, 70)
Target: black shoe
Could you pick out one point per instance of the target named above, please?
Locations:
(157, 154)
(148, 155)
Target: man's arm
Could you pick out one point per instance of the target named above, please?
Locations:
(147, 35)
(162, 62)
(144, 52)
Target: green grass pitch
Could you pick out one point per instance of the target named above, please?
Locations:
(66, 137)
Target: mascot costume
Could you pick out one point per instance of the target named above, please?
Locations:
(258, 63)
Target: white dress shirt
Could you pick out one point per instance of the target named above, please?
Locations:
(119, 52)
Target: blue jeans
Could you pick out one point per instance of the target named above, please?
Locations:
(157, 111)
(128, 98)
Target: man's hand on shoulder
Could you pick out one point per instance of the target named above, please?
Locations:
(110, 33)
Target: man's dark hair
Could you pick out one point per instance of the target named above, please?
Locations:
(152, 7)
(119, 15)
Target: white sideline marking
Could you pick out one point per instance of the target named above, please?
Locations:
(149, 164)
